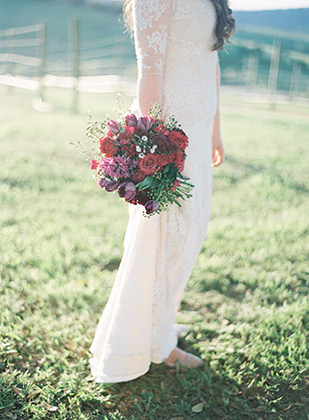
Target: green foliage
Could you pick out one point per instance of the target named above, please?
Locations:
(246, 301)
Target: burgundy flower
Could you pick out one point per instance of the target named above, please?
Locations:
(161, 142)
(151, 206)
(139, 198)
(127, 190)
(144, 123)
(111, 186)
(138, 176)
(102, 182)
(131, 120)
(114, 126)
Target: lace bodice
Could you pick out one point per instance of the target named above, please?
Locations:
(152, 20)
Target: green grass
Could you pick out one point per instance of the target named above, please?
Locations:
(246, 302)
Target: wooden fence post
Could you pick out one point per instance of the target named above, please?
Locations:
(252, 71)
(295, 80)
(274, 70)
(74, 43)
(10, 62)
(42, 56)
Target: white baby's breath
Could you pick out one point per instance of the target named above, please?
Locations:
(144, 138)
(138, 148)
(141, 155)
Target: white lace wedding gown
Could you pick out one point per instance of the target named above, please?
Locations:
(173, 40)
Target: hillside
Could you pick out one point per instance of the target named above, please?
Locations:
(101, 34)
(296, 20)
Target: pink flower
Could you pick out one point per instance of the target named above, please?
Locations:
(118, 166)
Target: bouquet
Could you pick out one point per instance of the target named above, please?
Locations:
(142, 159)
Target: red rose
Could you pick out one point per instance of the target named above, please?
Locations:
(162, 160)
(173, 147)
(148, 164)
(178, 159)
(171, 157)
(161, 142)
(179, 138)
(138, 176)
(108, 146)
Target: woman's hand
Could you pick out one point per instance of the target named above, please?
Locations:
(217, 144)
(217, 150)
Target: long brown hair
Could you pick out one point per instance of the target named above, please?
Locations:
(224, 29)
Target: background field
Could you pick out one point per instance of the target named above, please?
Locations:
(106, 49)
(246, 302)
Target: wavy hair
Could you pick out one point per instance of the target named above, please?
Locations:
(224, 29)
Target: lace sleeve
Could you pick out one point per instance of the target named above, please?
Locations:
(151, 21)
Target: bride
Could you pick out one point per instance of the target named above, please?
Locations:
(176, 43)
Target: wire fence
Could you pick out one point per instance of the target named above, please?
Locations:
(109, 64)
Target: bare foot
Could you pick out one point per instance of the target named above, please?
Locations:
(182, 358)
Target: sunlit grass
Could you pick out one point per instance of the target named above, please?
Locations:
(246, 301)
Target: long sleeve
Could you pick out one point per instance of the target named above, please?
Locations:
(151, 23)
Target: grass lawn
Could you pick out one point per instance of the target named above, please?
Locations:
(246, 302)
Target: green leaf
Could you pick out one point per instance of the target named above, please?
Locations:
(166, 169)
(146, 183)
(155, 183)
(198, 408)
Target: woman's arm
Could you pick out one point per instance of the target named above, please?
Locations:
(149, 90)
(150, 37)
(217, 144)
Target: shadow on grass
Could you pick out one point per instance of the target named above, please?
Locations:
(165, 393)
(112, 265)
